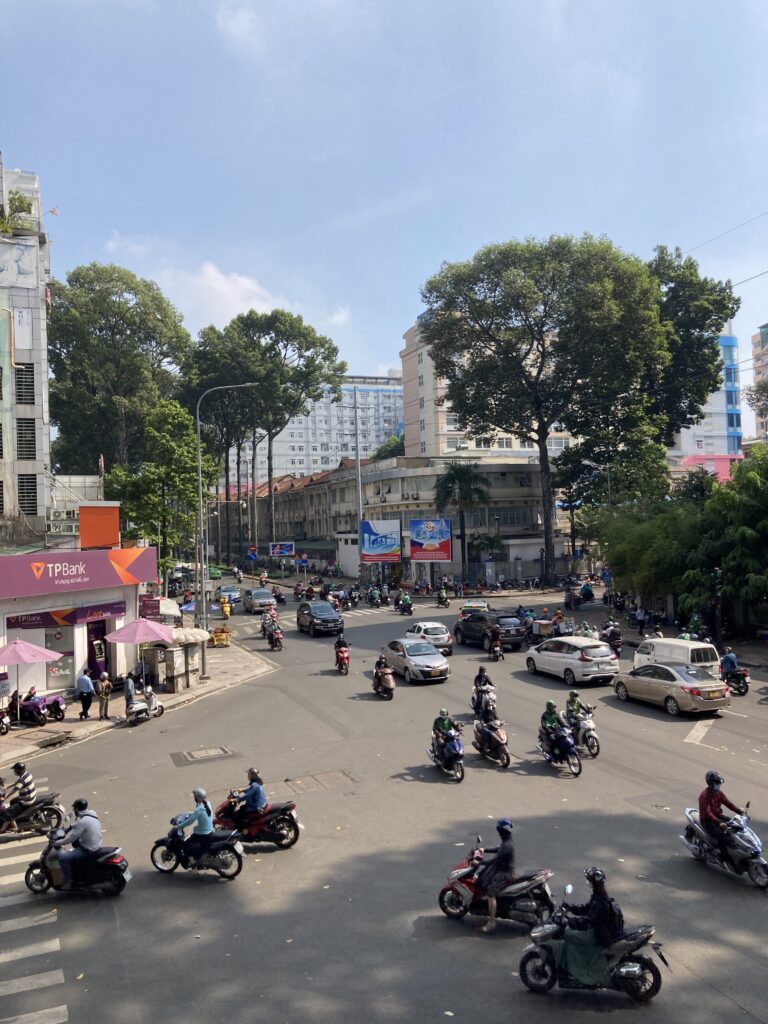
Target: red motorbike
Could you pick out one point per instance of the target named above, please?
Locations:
(276, 640)
(277, 823)
(342, 660)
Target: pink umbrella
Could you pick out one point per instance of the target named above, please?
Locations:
(19, 652)
(141, 631)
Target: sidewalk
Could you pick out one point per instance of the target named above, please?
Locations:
(227, 667)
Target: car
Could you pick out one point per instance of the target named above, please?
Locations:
(661, 651)
(234, 594)
(258, 600)
(435, 633)
(474, 629)
(416, 661)
(473, 604)
(214, 573)
(676, 688)
(576, 659)
(318, 617)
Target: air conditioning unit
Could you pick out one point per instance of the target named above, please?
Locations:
(415, 496)
(72, 528)
(57, 514)
(406, 496)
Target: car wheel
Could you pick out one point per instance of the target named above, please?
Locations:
(622, 692)
(486, 644)
(312, 630)
(459, 637)
(299, 626)
(530, 664)
(671, 707)
(449, 653)
(569, 678)
(407, 677)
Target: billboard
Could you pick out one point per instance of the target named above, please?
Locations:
(430, 540)
(381, 540)
(57, 572)
(282, 549)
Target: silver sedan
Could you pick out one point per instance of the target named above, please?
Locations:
(675, 687)
(416, 661)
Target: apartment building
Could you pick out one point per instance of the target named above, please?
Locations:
(24, 419)
(318, 441)
(760, 371)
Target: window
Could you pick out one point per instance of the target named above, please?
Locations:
(25, 384)
(25, 442)
(420, 358)
(27, 493)
(421, 403)
(423, 447)
(731, 375)
(505, 442)
(1, 441)
(526, 444)
(422, 426)
(452, 421)
(314, 447)
(421, 380)
(452, 443)
(482, 442)
(700, 445)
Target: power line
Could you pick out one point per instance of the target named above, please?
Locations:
(727, 232)
(761, 274)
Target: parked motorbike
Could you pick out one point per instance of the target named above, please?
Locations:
(144, 706)
(542, 967)
(277, 823)
(5, 723)
(527, 900)
(275, 640)
(384, 682)
(744, 847)
(451, 759)
(584, 732)
(106, 871)
(31, 712)
(224, 854)
(53, 705)
(44, 814)
(496, 651)
(342, 660)
(738, 680)
(491, 742)
(563, 750)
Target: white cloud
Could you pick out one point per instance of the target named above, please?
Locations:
(209, 295)
(127, 245)
(239, 22)
(340, 316)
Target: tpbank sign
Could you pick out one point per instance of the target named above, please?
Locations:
(61, 571)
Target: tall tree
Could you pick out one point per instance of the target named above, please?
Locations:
(114, 345)
(393, 446)
(757, 396)
(460, 487)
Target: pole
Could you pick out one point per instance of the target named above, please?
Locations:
(359, 495)
(608, 474)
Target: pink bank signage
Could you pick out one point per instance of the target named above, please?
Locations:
(62, 572)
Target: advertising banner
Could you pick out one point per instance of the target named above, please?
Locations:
(67, 616)
(430, 540)
(381, 540)
(58, 572)
(282, 549)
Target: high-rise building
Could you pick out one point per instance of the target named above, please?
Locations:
(760, 370)
(319, 440)
(24, 420)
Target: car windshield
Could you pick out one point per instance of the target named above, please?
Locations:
(434, 630)
(230, 590)
(420, 650)
(597, 651)
(695, 675)
(323, 609)
(508, 620)
(262, 595)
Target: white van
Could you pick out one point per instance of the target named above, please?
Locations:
(677, 652)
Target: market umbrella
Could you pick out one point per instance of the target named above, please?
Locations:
(141, 631)
(20, 652)
(190, 635)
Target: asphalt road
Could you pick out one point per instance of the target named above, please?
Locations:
(345, 927)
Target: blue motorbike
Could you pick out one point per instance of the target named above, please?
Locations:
(450, 757)
(561, 750)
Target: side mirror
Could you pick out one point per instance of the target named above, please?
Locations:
(479, 839)
(746, 805)
(568, 890)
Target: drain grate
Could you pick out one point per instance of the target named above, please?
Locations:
(182, 758)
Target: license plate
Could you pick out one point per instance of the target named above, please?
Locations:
(127, 876)
(604, 664)
(436, 672)
(239, 848)
(714, 694)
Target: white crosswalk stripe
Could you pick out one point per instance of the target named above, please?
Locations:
(36, 949)
(56, 1015)
(30, 921)
(31, 983)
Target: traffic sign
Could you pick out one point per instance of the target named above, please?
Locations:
(253, 548)
(302, 563)
(252, 556)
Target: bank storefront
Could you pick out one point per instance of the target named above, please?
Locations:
(67, 602)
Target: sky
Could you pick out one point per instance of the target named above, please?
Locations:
(328, 155)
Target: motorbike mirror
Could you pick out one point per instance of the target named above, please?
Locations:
(568, 889)
(479, 839)
(746, 805)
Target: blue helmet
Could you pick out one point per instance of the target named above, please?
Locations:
(504, 825)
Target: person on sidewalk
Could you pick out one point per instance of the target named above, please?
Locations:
(85, 692)
(104, 690)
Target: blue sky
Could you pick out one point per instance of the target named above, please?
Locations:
(327, 155)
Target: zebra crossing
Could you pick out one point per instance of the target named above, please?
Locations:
(31, 985)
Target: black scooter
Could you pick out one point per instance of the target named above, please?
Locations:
(224, 854)
(106, 871)
(44, 814)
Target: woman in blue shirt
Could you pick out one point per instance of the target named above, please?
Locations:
(202, 819)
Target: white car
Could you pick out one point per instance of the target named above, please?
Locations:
(435, 633)
(576, 659)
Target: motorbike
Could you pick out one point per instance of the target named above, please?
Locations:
(279, 597)
(277, 823)
(106, 871)
(451, 759)
(563, 750)
(144, 706)
(527, 900)
(583, 731)
(224, 854)
(32, 712)
(442, 602)
(385, 600)
(481, 697)
(491, 742)
(745, 847)
(44, 814)
(51, 704)
(496, 651)
(384, 682)
(542, 964)
(405, 608)
(5, 723)
(355, 599)
(346, 604)
(738, 680)
(342, 660)
(275, 640)
(374, 601)
(298, 593)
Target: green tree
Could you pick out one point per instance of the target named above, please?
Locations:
(393, 446)
(460, 487)
(16, 214)
(114, 345)
(491, 545)
(757, 397)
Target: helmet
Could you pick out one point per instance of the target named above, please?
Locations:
(19, 767)
(714, 779)
(551, 705)
(199, 794)
(483, 671)
(443, 713)
(594, 874)
(694, 636)
(573, 694)
(80, 805)
(253, 774)
(104, 675)
(504, 825)
(727, 650)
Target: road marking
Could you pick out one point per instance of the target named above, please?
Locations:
(23, 858)
(725, 711)
(56, 1015)
(699, 731)
(13, 901)
(37, 949)
(31, 982)
(36, 840)
(11, 879)
(49, 917)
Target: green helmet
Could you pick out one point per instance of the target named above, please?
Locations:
(573, 694)
(551, 705)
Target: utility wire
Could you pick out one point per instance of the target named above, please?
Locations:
(727, 232)
(761, 274)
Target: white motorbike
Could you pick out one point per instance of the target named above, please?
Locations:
(144, 706)
(744, 847)
(5, 723)
(584, 732)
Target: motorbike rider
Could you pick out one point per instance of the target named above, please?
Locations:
(340, 645)
(728, 662)
(381, 663)
(85, 837)
(442, 596)
(254, 799)
(594, 926)
(483, 687)
(405, 601)
(611, 632)
(267, 623)
(441, 726)
(23, 787)
(494, 877)
(573, 706)
(714, 822)
(494, 636)
(551, 721)
(202, 818)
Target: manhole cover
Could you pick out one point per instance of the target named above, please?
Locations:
(184, 757)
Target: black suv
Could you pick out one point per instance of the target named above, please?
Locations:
(474, 629)
(318, 617)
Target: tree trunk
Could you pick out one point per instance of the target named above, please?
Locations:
(252, 496)
(227, 484)
(239, 507)
(572, 517)
(547, 510)
(271, 495)
(463, 543)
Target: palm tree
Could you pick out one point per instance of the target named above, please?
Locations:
(461, 486)
(492, 545)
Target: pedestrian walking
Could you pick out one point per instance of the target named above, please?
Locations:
(85, 692)
(640, 618)
(104, 689)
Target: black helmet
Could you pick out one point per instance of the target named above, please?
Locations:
(714, 779)
(19, 767)
(594, 874)
(253, 774)
(80, 805)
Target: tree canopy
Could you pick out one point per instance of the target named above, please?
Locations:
(460, 486)
(393, 446)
